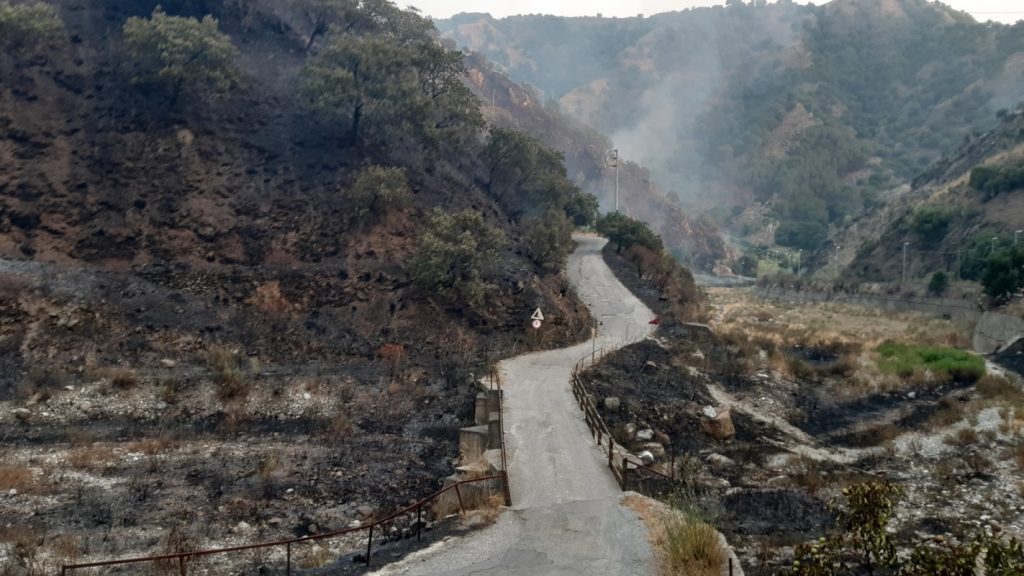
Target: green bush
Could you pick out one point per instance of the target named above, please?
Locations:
(904, 360)
(453, 256)
(938, 284)
(994, 180)
(931, 223)
(377, 191)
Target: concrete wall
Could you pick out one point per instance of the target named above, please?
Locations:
(996, 330)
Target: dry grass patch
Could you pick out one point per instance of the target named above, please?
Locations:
(152, 446)
(92, 457)
(682, 544)
(16, 477)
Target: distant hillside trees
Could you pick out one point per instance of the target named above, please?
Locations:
(994, 180)
(805, 235)
(180, 54)
(525, 176)
(1003, 275)
(453, 256)
(28, 31)
(931, 224)
(582, 209)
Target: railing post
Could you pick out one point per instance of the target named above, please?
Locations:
(459, 494)
(63, 571)
(288, 559)
(611, 448)
(419, 521)
(625, 474)
(369, 545)
(508, 492)
(730, 566)
(182, 570)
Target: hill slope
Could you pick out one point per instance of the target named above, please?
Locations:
(812, 112)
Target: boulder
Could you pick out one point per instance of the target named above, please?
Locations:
(720, 426)
(655, 448)
(719, 460)
(168, 363)
(242, 527)
(709, 412)
(364, 511)
(612, 404)
(645, 435)
(22, 413)
(646, 457)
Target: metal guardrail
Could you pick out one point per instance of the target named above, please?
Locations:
(183, 559)
(599, 430)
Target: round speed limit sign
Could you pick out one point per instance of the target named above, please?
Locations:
(536, 324)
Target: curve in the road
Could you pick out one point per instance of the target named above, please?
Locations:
(567, 517)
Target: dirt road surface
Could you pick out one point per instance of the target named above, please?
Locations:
(566, 517)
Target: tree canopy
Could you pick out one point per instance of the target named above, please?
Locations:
(626, 232)
(180, 53)
(453, 256)
(386, 89)
(26, 30)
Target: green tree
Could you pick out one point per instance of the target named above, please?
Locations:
(938, 284)
(453, 256)
(548, 239)
(526, 176)
(181, 53)
(1003, 275)
(377, 191)
(29, 30)
(384, 92)
(582, 209)
(626, 232)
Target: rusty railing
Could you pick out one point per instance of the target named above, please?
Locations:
(622, 467)
(183, 559)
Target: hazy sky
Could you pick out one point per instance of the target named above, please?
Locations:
(1000, 10)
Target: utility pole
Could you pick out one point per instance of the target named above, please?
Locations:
(903, 280)
(615, 162)
(837, 262)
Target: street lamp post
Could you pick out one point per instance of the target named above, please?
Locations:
(837, 262)
(615, 163)
(903, 279)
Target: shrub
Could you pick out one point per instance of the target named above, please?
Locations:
(123, 378)
(931, 223)
(225, 370)
(904, 360)
(693, 547)
(938, 284)
(377, 191)
(453, 255)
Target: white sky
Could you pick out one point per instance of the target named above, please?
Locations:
(1000, 10)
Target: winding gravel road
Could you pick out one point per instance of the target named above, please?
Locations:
(566, 517)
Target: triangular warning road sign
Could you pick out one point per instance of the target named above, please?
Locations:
(537, 315)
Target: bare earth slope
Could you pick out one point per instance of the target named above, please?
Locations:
(567, 518)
